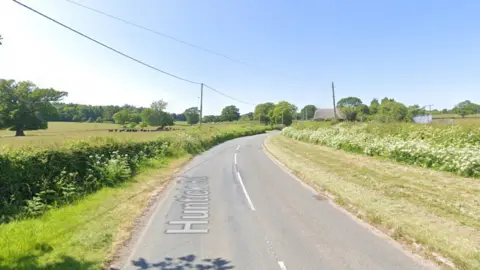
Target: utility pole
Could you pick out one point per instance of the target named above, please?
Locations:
(429, 108)
(334, 105)
(201, 104)
(282, 117)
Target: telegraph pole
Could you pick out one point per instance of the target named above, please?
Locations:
(429, 108)
(201, 104)
(334, 105)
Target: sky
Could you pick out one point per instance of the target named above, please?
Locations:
(418, 52)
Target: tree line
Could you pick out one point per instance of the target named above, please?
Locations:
(389, 110)
(24, 106)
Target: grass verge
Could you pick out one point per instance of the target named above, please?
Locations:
(435, 214)
(84, 234)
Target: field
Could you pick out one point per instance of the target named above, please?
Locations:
(388, 180)
(60, 132)
(70, 206)
(452, 115)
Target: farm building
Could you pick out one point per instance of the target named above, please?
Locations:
(327, 114)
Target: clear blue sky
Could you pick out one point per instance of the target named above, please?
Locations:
(418, 52)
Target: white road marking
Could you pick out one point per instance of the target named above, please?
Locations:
(238, 147)
(282, 265)
(245, 191)
(235, 157)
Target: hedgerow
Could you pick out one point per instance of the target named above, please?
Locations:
(32, 181)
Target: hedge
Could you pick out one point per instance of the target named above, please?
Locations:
(34, 181)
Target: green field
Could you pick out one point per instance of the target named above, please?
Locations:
(60, 132)
(452, 115)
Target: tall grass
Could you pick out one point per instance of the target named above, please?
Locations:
(448, 148)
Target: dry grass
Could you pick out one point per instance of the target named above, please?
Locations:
(432, 212)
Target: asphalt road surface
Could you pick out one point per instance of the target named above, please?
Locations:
(235, 208)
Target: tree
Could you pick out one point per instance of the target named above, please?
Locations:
(466, 107)
(159, 105)
(211, 119)
(374, 106)
(391, 111)
(23, 106)
(1, 38)
(126, 116)
(156, 118)
(349, 106)
(230, 113)
(247, 117)
(121, 117)
(262, 111)
(192, 115)
(308, 112)
(179, 117)
(282, 113)
(363, 112)
(415, 110)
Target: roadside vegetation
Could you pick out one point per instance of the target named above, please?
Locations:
(47, 189)
(435, 214)
(446, 148)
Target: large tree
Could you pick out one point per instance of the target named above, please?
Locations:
(283, 113)
(466, 107)
(349, 106)
(192, 114)
(156, 118)
(230, 113)
(261, 112)
(23, 106)
(308, 112)
(392, 111)
(126, 116)
(159, 105)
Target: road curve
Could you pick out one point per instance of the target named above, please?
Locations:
(234, 208)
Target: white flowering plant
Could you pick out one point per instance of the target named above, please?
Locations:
(452, 148)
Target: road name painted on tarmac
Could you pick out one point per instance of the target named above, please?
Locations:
(195, 199)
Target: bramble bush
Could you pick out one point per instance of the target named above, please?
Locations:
(447, 148)
(35, 180)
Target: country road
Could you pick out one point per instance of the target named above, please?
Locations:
(235, 208)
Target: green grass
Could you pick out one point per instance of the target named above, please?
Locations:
(434, 213)
(59, 133)
(83, 235)
(452, 115)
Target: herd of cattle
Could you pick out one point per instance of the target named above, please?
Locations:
(141, 130)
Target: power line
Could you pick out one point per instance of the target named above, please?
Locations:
(166, 36)
(230, 97)
(125, 55)
(104, 45)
